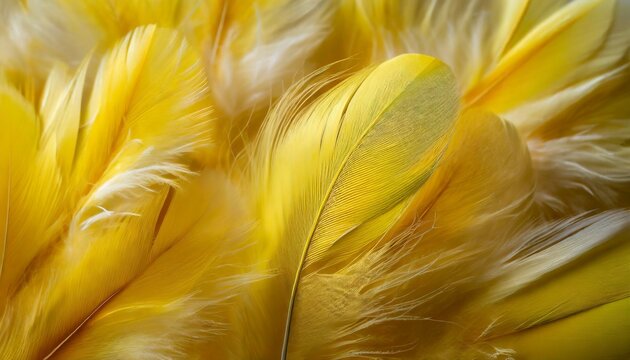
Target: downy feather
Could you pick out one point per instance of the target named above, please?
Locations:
(179, 307)
(136, 140)
(393, 215)
(67, 30)
(258, 49)
(251, 50)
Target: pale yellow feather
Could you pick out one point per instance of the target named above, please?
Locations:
(329, 181)
(137, 140)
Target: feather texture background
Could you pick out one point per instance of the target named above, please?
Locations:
(354, 179)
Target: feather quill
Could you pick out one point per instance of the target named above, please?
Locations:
(467, 207)
(333, 209)
(399, 298)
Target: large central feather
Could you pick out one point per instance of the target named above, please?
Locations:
(336, 176)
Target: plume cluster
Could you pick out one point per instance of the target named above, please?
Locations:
(314, 179)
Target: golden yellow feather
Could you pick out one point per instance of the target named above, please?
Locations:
(135, 141)
(331, 181)
(459, 191)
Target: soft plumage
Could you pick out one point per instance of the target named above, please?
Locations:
(102, 216)
(354, 179)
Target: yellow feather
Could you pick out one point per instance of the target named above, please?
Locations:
(183, 298)
(341, 168)
(30, 197)
(138, 139)
(141, 117)
(402, 295)
(581, 149)
(466, 203)
(67, 30)
(564, 295)
(468, 37)
(60, 110)
(546, 57)
(600, 332)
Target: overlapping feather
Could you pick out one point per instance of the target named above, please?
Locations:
(536, 63)
(135, 144)
(392, 215)
(343, 203)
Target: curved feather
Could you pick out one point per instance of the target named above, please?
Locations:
(568, 285)
(575, 123)
(251, 49)
(68, 30)
(400, 298)
(468, 37)
(547, 50)
(30, 191)
(137, 140)
(520, 59)
(330, 180)
(387, 215)
(181, 303)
